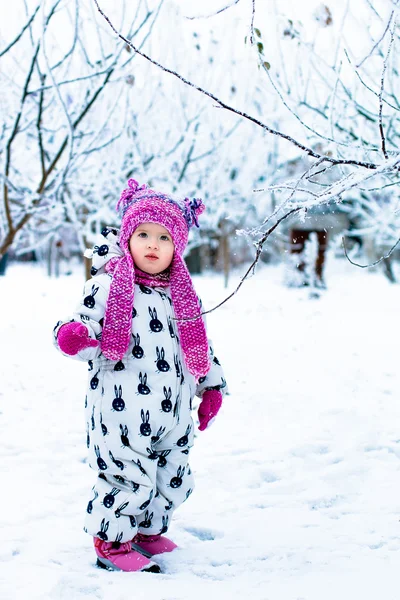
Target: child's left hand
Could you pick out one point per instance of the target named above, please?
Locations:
(209, 406)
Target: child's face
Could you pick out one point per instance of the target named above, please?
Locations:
(151, 247)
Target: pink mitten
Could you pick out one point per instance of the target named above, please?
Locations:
(73, 337)
(209, 407)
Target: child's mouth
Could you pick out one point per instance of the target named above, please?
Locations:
(151, 257)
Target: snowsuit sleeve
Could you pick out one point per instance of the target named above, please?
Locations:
(90, 311)
(215, 379)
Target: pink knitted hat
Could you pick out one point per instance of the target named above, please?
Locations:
(140, 204)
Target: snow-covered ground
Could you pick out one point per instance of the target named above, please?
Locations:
(298, 479)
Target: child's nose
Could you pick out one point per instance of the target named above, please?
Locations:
(152, 243)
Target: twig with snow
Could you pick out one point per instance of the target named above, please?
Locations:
(218, 12)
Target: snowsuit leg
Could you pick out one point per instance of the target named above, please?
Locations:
(121, 424)
(174, 479)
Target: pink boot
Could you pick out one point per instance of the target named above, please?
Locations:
(115, 556)
(149, 545)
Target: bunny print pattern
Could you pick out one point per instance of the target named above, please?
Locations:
(139, 425)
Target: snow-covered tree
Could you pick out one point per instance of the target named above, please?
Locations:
(64, 84)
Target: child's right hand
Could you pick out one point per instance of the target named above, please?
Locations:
(73, 337)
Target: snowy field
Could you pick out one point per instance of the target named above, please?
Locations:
(298, 479)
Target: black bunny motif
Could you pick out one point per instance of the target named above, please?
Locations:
(132, 521)
(124, 436)
(101, 250)
(134, 312)
(92, 420)
(146, 504)
(183, 441)
(177, 369)
(155, 438)
(100, 462)
(137, 350)
(118, 511)
(162, 458)
(169, 505)
(145, 428)
(166, 404)
(118, 403)
(119, 366)
(119, 478)
(152, 454)
(155, 324)
(105, 232)
(104, 429)
(117, 463)
(171, 328)
(164, 528)
(144, 289)
(93, 271)
(102, 534)
(90, 503)
(139, 465)
(176, 481)
(135, 486)
(109, 499)
(143, 388)
(162, 364)
(94, 382)
(89, 301)
(147, 520)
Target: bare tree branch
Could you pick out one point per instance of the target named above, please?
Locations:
(253, 12)
(382, 133)
(378, 41)
(307, 150)
(218, 12)
(259, 246)
(11, 44)
(373, 264)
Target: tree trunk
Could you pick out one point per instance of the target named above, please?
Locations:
(387, 264)
(225, 241)
(3, 264)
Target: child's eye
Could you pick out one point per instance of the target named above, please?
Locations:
(164, 238)
(142, 234)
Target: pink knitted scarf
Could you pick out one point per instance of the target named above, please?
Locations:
(141, 277)
(192, 332)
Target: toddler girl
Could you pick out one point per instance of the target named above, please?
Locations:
(139, 328)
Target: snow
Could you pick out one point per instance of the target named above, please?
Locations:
(297, 479)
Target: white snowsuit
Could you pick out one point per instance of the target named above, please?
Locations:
(138, 414)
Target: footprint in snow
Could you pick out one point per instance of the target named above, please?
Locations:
(202, 533)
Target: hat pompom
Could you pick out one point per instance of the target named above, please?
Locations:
(128, 194)
(193, 209)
